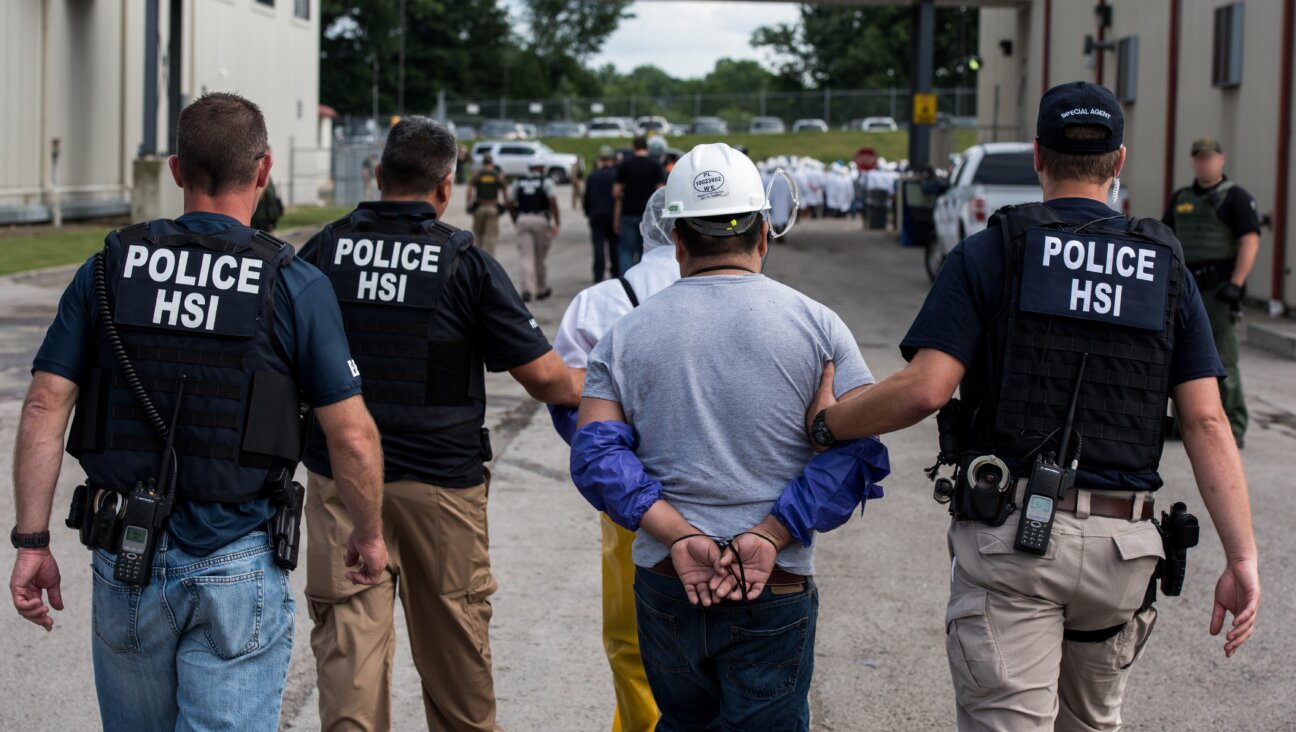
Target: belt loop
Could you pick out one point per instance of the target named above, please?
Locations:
(1082, 503)
(1136, 506)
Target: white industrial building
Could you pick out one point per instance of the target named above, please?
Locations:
(1183, 69)
(82, 137)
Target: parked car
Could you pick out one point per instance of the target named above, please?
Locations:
(514, 158)
(652, 124)
(944, 119)
(527, 131)
(709, 126)
(987, 177)
(501, 129)
(809, 125)
(607, 127)
(878, 124)
(563, 128)
(767, 126)
(466, 132)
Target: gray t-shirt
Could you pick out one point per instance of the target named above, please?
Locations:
(716, 374)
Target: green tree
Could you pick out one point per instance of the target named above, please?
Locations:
(561, 35)
(462, 46)
(866, 47)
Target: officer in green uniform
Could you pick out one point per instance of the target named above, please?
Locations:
(485, 205)
(1216, 221)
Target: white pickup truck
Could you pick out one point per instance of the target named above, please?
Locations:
(988, 177)
(514, 158)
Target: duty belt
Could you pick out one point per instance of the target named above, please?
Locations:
(1131, 506)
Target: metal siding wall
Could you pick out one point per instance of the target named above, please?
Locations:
(1243, 118)
(20, 93)
(272, 58)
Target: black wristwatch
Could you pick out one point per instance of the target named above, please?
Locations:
(819, 431)
(39, 540)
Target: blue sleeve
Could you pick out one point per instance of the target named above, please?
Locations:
(833, 483)
(1195, 355)
(66, 348)
(609, 475)
(949, 320)
(564, 421)
(311, 331)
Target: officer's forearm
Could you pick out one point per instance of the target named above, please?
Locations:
(358, 471)
(900, 400)
(547, 379)
(355, 454)
(1248, 249)
(38, 451)
(1217, 466)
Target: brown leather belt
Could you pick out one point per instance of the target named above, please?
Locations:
(1102, 505)
(778, 578)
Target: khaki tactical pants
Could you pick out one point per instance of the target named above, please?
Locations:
(437, 542)
(1012, 668)
(485, 227)
(533, 247)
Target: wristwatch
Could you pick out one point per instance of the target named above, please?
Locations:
(38, 540)
(819, 431)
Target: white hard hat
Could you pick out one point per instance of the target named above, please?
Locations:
(714, 180)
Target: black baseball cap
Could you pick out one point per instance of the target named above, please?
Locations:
(1079, 103)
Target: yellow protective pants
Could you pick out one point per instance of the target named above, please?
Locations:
(636, 711)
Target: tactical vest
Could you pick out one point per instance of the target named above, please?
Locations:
(1197, 223)
(201, 307)
(1101, 291)
(487, 186)
(531, 197)
(390, 275)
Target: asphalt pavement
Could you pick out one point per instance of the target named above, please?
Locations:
(880, 657)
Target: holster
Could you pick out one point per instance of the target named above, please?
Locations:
(80, 516)
(487, 452)
(289, 498)
(1212, 274)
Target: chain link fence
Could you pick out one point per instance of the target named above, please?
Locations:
(837, 107)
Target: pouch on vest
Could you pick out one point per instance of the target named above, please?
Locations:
(1101, 291)
(390, 276)
(201, 306)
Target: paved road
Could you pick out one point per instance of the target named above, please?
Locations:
(880, 662)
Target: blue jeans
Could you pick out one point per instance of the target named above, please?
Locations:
(732, 666)
(631, 243)
(204, 646)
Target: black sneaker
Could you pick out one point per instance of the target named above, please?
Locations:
(526, 297)
(548, 291)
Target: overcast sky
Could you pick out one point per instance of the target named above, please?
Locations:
(687, 38)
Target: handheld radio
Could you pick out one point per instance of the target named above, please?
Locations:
(147, 509)
(1050, 479)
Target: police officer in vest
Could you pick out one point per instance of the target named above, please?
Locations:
(1216, 221)
(485, 204)
(533, 205)
(1066, 329)
(185, 348)
(427, 313)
